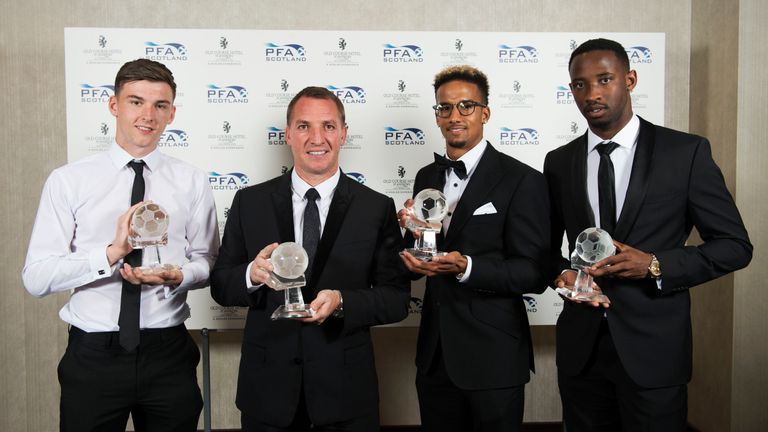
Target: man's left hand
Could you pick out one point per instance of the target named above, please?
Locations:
(323, 306)
(453, 263)
(628, 263)
(135, 276)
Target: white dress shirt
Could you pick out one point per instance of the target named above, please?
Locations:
(299, 188)
(77, 220)
(621, 157)
(454, 188)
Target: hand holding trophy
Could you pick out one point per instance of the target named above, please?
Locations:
(425, 220)
(290, 261)
(149, 231)
(592, 245)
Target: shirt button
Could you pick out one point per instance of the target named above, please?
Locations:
(455, 185)
(450, 213)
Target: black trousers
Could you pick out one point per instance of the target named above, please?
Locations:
(603, 398)
(447, 408)
(302, 423)
(101, 383)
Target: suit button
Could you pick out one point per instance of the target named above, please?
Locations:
(298, 360)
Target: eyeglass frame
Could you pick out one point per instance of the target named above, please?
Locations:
(475, 104)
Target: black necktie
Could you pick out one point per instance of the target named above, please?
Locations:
(131, 295)
(311, 231)
(606, 187)
(443, 163)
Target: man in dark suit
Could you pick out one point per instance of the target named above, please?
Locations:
(318, 370)
(625, 367)
(474, 348)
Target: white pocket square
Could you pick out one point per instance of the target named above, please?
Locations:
(485, 209)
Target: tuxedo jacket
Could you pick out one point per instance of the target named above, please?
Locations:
(674, 186)
(481, 325)
(358, 255)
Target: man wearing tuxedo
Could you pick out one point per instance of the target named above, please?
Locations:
(625, 366)
(319, 371)
(474, 348)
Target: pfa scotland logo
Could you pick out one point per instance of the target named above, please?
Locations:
(518, 54)
(174, 138)
(349, 94)
(356, 176)
(96, 93)
(402, 54)
(522, 136)
(639, 54)
(403, 137)
(284, 53)
(228, 181)
(275, 136)
(227, 94)
(165, 51)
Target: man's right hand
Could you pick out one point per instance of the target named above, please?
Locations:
(120, 247)
(567, 279)
(262, 266)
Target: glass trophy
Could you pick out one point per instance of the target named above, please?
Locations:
(290, 261)
(592, 245)
(149, 231)
(425, 220)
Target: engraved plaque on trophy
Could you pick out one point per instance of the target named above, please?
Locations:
(592, 245)
(149, 231)
(290, 261)
(425, 221)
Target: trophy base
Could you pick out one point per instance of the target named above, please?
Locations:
(157, 269)
(292, 311)
(423, 255)
(594, 296)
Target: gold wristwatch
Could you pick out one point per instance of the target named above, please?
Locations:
(654, 268)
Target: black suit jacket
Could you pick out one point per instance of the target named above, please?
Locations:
(357, 254)
(482, 325)
(674, 185)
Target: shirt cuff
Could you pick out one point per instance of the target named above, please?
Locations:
(658, 283)
(249, 286)
(99, 263)
(468, 271)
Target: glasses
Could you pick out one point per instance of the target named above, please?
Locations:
(465, 107)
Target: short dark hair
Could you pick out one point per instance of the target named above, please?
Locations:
(144, 70)
(463, 73)
(601, 45)
(316, 93)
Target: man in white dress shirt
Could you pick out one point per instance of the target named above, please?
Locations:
(128, 351)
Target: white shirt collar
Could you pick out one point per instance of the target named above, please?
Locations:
(325, 189)
(626, 137)
(472, 157)
(120, 157)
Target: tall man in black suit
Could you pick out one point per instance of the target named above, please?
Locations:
(319, 370)
(625, 368)
(474, 349)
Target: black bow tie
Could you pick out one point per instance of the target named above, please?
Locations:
(443, 163)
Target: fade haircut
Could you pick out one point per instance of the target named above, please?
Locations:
(601, 45)
(316, 93)
(463, 73)
(144, 70)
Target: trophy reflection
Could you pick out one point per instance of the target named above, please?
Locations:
(289, 261)
(149, 231)
(425, 221)
(592, 245)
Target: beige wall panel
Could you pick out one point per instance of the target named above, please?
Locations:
(34, 142)
(750, 350)
(714, 55)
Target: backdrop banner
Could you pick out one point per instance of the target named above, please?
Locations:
(234, 87)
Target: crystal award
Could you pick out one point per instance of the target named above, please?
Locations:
(425, 220)
(149, 231)
(592, 245)
(289, 261)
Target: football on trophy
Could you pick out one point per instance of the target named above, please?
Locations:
(150, 221)
(594, 244)
(430, 205)
(290, 260)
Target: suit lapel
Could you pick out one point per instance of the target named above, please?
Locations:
(487, 174)
(342, 198)
(283, 207)
(579, 196)
(638, 181)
